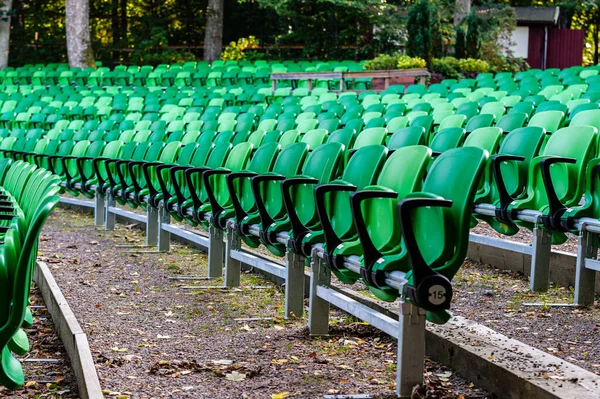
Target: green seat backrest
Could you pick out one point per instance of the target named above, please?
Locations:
(486, 138)
(406, 137)
(442, 234)
(289, 137)
(322, 164)
(362, 170)
(262, 162)
(589, 118)
(549, 120)
(447, 139)
(402, 173)
(288, 163)
(343, 136)
(512, 121)
(568, 179)
(368, 137)
(236, 161)
(479, 121)
(314, 137)
(525, 142)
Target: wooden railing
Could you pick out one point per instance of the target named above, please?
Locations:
(342, 77)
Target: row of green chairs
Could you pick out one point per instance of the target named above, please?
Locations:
(28, 195)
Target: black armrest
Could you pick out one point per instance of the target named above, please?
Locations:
(162, 183)
(331, 238)
(504, 197)
(131, 167)
(96, 167)
(240, 214)
(120, 174)
(430, 290)
(299, 231)
(370, 253)
(189, 172)
(153, 192)
(8, 216)
(51, 159)
(175, 184)
(38, 157)
(215, 207)
(79, 162)
(265, 218)
(63, 161)
(556, 208)
(7, 208)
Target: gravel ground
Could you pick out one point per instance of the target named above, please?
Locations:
(526, 237)
(44, 379)
(152, 338)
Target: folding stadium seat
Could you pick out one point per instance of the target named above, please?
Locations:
(556, 178)
(507, 177)
(511, 121)
(444, 254)
(479, 121)
(549, 120)
(406, 137)
(187, 183)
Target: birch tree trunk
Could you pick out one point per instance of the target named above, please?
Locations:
(5, 32)
(462, 8)
(79, 44)
(213, 37)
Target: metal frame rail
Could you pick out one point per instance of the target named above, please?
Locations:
(226, 257)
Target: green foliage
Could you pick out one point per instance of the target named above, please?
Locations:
(473, 39)
(394, 61)
(155, 51)
(454, 68)
(447, 67)
(333, 29)
(508, 64)
(419, 27)
(240, 49)
(460, 49)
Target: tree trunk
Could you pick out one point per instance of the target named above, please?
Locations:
(462, 8)
(124, 28)
(213, 37)
(79, 44)
(5, 32)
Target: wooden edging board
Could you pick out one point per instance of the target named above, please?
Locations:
(70, 333)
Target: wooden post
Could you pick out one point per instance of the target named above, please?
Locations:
(387, 82)
(273, 85)
(310, 85)
(341, 84)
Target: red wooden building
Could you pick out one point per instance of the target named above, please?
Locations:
(539, 40)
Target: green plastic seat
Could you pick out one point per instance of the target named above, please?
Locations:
(506, 178)
(479, 121)
(551, 121)
(563, 162)
(406, 137)
(333, 199)
(298, 215)
(512, 121)
(435, 233)
(374, 208)
(289, 163)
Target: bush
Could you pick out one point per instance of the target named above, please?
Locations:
(472, 66)
(447, 67)
(394, 61)
(511, 64)
(241, 50)
(453, 68)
